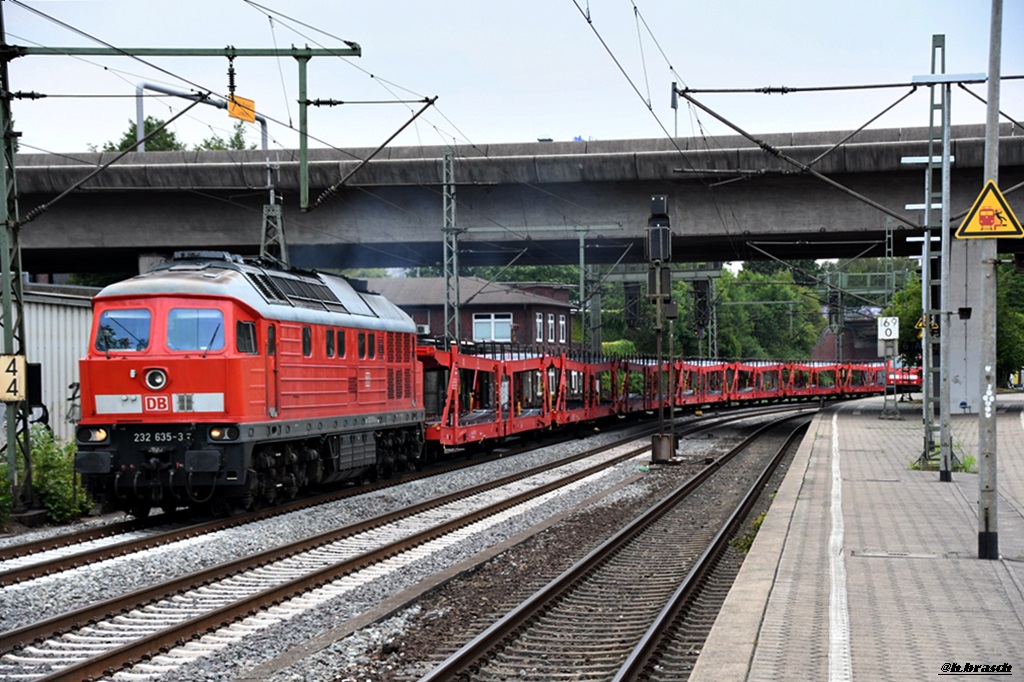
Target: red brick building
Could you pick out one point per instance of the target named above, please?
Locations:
(523, 313)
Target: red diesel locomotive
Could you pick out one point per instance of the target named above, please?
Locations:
(215, 380)
(212, 379)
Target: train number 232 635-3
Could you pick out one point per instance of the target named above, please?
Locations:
(160, 437)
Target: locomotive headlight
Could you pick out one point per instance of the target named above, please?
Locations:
(156, 379)
(223, 432)
(92, 434)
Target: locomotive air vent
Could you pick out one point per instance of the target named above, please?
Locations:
(266, 287)
(308, 293)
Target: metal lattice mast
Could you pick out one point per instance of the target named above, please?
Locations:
(931, 270)
(889, 408)
(16, 412)
(452, 326)
(273, 246)
(712, 318)
(890, 266)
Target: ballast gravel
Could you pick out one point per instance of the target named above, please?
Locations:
(32, 601)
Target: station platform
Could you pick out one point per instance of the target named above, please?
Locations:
(866, 568)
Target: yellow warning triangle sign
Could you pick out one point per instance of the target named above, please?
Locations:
(990, 217)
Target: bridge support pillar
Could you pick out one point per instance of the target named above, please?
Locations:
(148, 260)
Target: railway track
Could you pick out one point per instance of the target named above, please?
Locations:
(603, 618)
(53, 555)
(162, 616)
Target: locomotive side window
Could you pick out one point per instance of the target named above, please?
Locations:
(373, 347)
(245, 338)
(271, 340)
(362, 345)
(123, 330)
(307, 342)
(341, 343)
(195, 329)
(329, 337)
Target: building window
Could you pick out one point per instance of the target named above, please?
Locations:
(561, 328)
(551, 327)
(492, 326)
(540, 327)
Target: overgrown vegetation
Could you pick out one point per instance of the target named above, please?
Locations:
(742, 543)
(962, 463)
(53, 480)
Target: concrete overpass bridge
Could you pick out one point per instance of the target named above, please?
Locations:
(729, 199)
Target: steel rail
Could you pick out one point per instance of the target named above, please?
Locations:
(109, 661)
(78, 559)
(67, 540)
(640, 658)
(465, 659)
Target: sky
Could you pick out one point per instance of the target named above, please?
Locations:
(502, 72)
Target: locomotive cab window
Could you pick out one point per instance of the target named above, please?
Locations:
(195, 329)
(245, 338)
(123, 330)
(329, 338)
(341, 343)
(307, 342)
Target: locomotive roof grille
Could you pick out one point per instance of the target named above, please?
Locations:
(308, 294)
(266, 287)
(297, 292)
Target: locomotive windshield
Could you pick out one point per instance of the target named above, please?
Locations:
(123, 330)
(195, 329)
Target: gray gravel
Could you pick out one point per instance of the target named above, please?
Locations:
(35, 600)
(358, 656)
(32, 601)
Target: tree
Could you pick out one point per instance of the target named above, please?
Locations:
(235, 142)
(766, 316)
(1009, 323)
(803, 270)
(163, 141)
(906, 305)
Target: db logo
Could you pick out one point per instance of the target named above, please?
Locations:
(156, 403)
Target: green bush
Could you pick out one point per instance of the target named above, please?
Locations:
(54, 480)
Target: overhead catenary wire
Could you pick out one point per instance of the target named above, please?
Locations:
(376, 78)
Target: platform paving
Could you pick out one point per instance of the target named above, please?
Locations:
(867, 569)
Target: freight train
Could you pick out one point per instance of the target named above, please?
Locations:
(216, 380)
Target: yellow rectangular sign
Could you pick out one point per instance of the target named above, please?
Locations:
(13, 378)
(239, 107)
